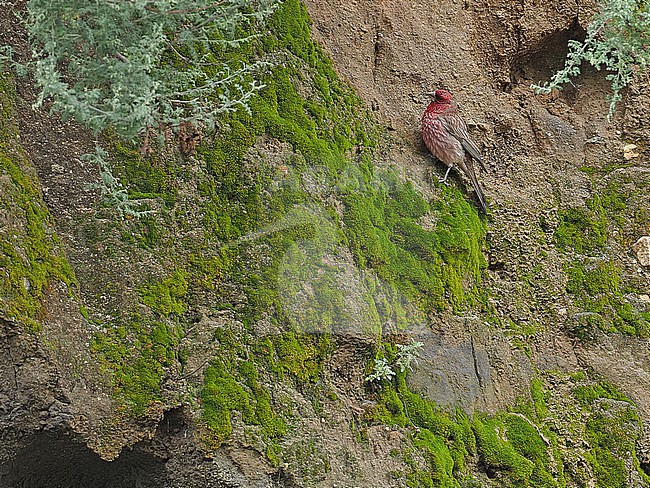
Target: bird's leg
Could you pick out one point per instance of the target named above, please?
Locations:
(444, 180)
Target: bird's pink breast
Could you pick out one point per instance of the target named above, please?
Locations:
(442, 145)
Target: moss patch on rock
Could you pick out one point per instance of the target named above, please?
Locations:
(234, 384)
(166, 297)
(136, 353)
(30, 252)
(234, 228)
(595, 282)
(597, 289)
(529, 445)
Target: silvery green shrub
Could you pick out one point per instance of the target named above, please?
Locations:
(133, 65)
(618, 39)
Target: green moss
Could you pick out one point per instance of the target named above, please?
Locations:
(611, 443)
(292, 26)
(612, 429)
(539, 397)
(232, 385)
(526, 441)
(439, 459)
(273, 426)
(443, 439)
(602, 277)
(323, 129)
(30, 253)
(516, 447)
(596, 288)
(614, 200)
(609, 470)
(596, 285)
(586, 394)
(136, 353)
(333, 137)
(390, 409)
(208, 271)
(144, 177)
(221, 394)
(238, 201)
(498, 454)
(224, 159)
(84, 311)
(434, 267)
(299, 355)
(583, 230)
(166, 297)
(605, 421)
(586, 230)
(256, 216)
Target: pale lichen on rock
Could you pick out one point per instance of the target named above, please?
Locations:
(642, 249)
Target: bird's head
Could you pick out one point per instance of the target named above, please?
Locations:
(440, 96)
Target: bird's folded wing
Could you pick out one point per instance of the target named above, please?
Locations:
(457, 128)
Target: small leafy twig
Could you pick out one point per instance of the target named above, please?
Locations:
(113, 192)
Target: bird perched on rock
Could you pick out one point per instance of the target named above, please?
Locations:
(445, 135)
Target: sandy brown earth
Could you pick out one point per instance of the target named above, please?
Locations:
(487, 53)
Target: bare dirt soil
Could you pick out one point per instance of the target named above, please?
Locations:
(487, 53)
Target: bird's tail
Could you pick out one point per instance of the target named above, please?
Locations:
(475, 184)
(479, 194)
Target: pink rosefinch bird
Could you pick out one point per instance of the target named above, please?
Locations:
(445, 135)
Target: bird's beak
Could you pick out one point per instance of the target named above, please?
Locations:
(430, 94)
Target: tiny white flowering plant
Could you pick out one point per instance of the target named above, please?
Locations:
(405, 356)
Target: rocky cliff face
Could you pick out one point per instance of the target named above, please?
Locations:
(224, 340)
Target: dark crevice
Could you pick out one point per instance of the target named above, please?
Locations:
(645, 466)
(479, 376)
(377, 53)
(60, 460)
(540, 63)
